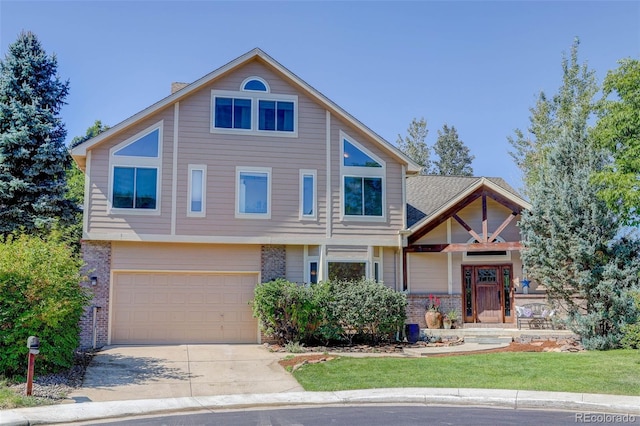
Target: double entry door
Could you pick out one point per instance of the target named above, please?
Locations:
(488, 295)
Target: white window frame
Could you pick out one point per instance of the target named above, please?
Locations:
(255, 77)
(203, 169)
(136, 162)
(247, 169)
(255, 97)
(314, 174)
(361, 172)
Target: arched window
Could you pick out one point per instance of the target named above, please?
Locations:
(486, 255)
(255, 84)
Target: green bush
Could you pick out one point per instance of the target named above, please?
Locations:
(368, 310)
(40, 295)
(285, 310)
(631, 337)
(329, 311)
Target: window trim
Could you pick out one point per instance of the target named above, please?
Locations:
(361, 172)
(136, 162)
(255, 97)
(314, 175)
(191, 169)
(486, 258)
(248, 169)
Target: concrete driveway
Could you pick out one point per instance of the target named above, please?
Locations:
(143, 372)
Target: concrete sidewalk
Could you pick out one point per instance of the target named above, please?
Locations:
(513, 399)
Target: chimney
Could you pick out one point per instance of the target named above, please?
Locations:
(175, 86)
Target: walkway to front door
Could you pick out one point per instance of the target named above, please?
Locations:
(487, 293)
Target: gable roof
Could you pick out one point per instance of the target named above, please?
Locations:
(428, 197)
(79, 152)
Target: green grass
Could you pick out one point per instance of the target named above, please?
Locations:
(10, 399)
(609, 372)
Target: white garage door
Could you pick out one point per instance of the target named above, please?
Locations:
(182, 308)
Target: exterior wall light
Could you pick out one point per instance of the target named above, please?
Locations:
(94, 280)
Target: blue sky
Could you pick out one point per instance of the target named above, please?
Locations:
(475, 65)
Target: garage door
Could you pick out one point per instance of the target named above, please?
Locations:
(182, 308)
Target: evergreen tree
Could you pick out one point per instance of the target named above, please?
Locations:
(572, 245)
(454, 158)
(414, 145)
(33, 156)
(550, 116)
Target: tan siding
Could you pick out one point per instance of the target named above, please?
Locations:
(427, 273)
(222, 153)
(496, 214)
(393, 186)
(437, 236)
(99, 220)
(295, 264)
(389, 267)
(185, 257)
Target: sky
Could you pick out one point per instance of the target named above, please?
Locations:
(476, 65)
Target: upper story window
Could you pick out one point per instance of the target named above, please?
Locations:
(363, 182)
(254, 109)
(197, 190)
(135, 172)
(253, 192)
(308, 203)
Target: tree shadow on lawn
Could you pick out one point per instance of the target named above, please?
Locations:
(106, 370)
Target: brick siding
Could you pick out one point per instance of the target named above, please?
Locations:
(417, 303)
(273, 262)
(97, 258)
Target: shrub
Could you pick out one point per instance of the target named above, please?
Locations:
(368, 310)
(631, 338)
(285, 310)
(40, 295)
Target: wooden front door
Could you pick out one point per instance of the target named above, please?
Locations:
(488, 293)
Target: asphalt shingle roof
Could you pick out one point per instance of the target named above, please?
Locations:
(428, 193)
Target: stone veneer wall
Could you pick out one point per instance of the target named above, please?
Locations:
(417, 303)
(97, 258)
(273, 262)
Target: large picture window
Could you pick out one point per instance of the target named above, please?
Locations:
(135, 172)
(347, 271)
(363, 184)
(253, 192)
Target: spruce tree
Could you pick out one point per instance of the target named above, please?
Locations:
(572, 241)
(33, 156)
(414, 144)
(454, 158)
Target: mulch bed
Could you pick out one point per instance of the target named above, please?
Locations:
(397, 348)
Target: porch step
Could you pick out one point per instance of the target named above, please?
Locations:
(488, 339)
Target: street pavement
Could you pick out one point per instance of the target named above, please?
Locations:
(143, 380)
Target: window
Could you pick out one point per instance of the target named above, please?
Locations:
(347, 271)
(255, 84)
(135, 172)
(254, 109)
(470, 256)
(313, 272)
(232, 113)
(253, 192)
(363, 193)
(134, 188)
(275, 115)
(308, 201)
(197, 190)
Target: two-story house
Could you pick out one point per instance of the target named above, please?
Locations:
(249, 174)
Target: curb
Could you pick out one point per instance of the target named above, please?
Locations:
(68, 413)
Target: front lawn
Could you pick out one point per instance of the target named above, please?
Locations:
(10, 399)
(609, 372)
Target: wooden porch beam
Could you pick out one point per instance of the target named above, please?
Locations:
(485, 230)
(473, 233)
(501, 228)
(455, 248)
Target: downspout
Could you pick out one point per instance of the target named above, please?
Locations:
(95, 325)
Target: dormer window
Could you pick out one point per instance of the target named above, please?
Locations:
(254, 109)
(135, 172)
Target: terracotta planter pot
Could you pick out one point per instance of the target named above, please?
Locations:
(433, 319)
